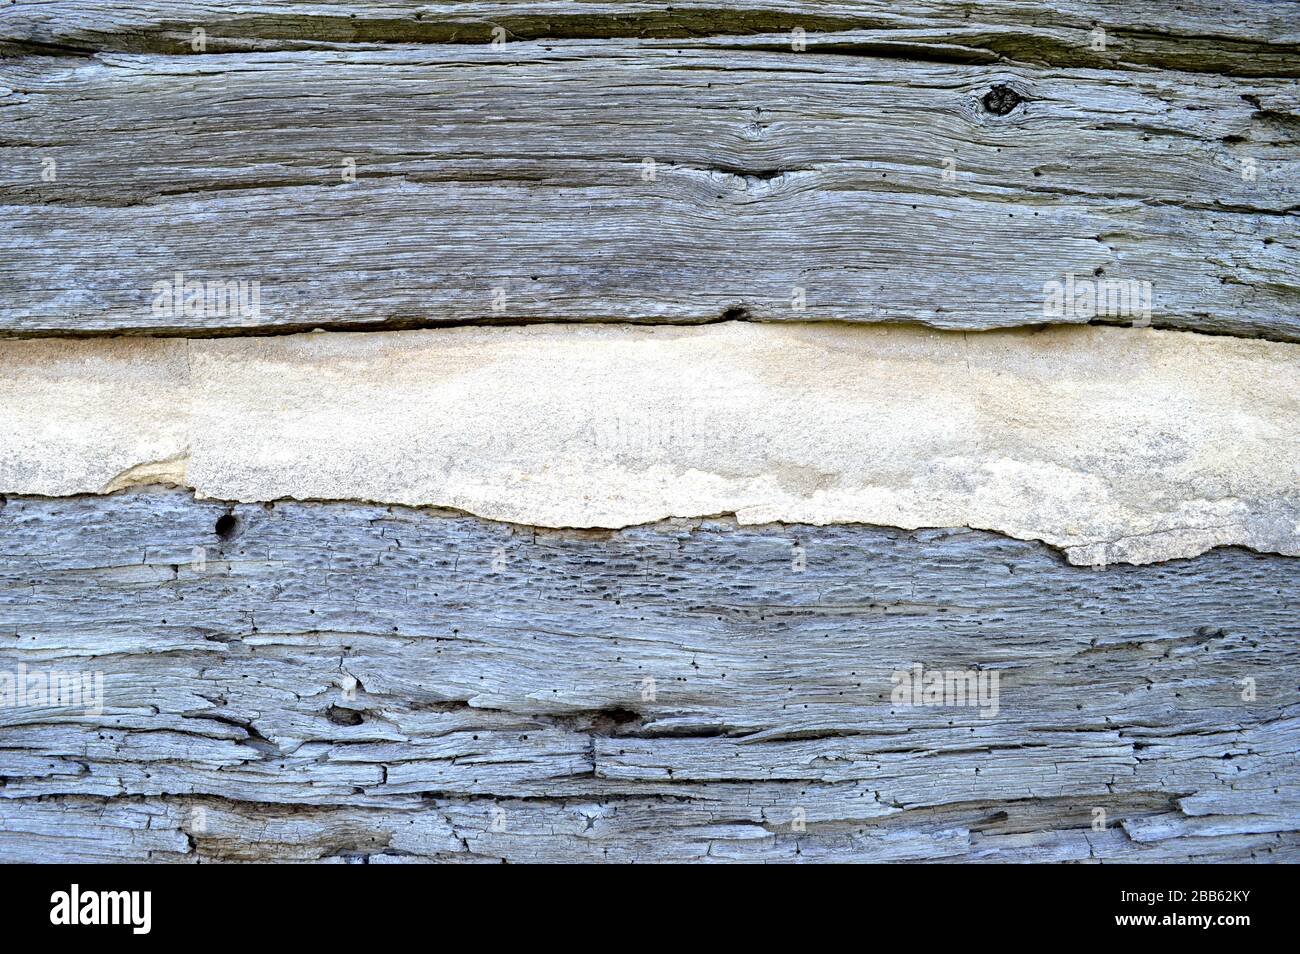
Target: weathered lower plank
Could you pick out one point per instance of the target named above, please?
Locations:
(637, 180)
(1245, 37)
(333, 681)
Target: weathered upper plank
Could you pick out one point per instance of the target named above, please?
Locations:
(636, 180)
(1245, 37)
(338, 681)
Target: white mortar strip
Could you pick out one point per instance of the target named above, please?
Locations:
(1118, 445)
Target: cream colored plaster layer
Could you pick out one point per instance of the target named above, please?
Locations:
(1117, 445)
(78, 416)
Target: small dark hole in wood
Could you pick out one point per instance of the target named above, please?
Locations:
(736, 313)
(227, 526)
(1001, 99)
(340, 716)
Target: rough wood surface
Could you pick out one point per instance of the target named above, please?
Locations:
(351, 681)
(1113, 444)
(1244, 37)
(498, 705)
(511, 183)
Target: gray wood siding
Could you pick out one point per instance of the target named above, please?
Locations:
(499, 705)
(944, 180)
(306, 674)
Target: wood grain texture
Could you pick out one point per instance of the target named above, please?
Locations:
(511, 185)
(1254, 37)
(499, 706)
(354, 682)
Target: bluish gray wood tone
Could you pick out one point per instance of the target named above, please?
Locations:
(523, 168)
(499, 709)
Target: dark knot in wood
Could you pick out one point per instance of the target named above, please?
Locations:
(1001, 99)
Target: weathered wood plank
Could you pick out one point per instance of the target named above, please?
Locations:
(1253, 38)
(350, 681)
(1112, 444)
(512, 185)
(332, 681)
